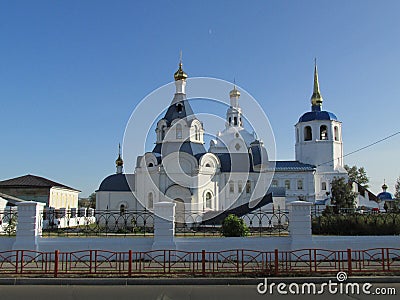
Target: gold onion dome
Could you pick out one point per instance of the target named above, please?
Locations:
(180, 74)
(234, 92)
(119, 162)
(316, 98)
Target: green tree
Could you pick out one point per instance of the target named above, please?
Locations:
(342, 194)
(397, 189)
(234, 226)
(83, 202)
(328, 211)
(92, 200)
(358, 175)
(397, 194)
(12, 225)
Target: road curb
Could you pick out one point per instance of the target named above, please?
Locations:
(187, 281)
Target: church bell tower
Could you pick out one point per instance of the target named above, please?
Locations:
(319, 135)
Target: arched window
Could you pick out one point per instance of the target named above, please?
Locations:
(323, 133)
(240, 187)
(163, 132)
(336, 132)
(179, 107)
(235, 121)
(307, 133)
(230, 120)
(323, 186)
(178, 131)
(287, 184)
(248, 187)
(275, 183)
(297, 135)
(299, 184)
(208, 200)
(196, 132)
(150, 202)
(231, 187)
(150, 165)
(122, 209)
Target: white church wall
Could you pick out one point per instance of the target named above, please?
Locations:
(148, 180)
(326, 177)
(318, 151)
(113, 200)
(363, 199)
(295, 192)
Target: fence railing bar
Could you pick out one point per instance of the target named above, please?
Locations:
(239, 261)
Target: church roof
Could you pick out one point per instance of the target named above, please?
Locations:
(317, 115)
(191, 148)
(292, 165)
(244, 164)
(258, 153)
(117, 182)
(32, 181)
(179, 109)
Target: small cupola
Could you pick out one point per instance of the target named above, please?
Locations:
(119, 162)
(180, 74)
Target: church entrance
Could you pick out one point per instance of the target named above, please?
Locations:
(179, 212)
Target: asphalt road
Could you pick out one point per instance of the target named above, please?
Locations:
(164, 292)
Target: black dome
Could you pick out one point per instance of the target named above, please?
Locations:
(118, 182)
(317, 115)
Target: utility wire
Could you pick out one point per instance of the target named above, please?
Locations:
(362, 148)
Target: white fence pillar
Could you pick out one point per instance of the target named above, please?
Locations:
(164, 226)
(29, 227)
(300, 224)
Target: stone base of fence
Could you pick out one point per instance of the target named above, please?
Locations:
(164, 226)
(29, 226)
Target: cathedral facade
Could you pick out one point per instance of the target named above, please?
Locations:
(235, 171)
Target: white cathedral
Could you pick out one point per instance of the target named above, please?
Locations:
(235, 171)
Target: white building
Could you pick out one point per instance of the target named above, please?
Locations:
(235, 170)
(35, 188)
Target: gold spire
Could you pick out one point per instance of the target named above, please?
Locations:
(316, 98)
(119, 162)
(234, 92)
(180, 74)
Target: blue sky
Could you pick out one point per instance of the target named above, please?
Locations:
(71, 73)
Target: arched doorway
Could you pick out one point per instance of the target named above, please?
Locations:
(179, 212)
(182, 198)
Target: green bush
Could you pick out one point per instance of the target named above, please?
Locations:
(357, 224)
(232, 226)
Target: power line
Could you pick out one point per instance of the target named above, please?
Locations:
(365, 147)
